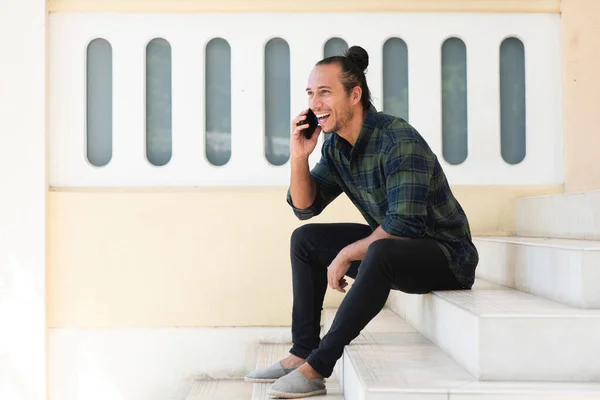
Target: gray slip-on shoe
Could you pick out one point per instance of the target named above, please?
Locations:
(295, 386)
(269, 374)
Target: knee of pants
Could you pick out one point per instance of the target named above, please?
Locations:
(376, 257)
(301, 235)
(377, 249)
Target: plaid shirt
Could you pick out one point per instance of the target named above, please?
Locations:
(395, 180)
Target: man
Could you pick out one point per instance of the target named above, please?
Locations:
(417, 238)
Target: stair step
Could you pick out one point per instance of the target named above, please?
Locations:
(569, 215)
(498, 333)
(334, 392)
(219, 390)
(386, 327)
(415, 372)
(411, 367)
(563, 270)
(270, 353)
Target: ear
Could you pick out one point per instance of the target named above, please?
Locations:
(356, 95)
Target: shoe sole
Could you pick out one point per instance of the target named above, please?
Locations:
(284, 395)
(258, 380)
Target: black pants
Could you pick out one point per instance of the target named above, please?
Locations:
(410, 265)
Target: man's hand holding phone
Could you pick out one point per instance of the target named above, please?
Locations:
(300, 146)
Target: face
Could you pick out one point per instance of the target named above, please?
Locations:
(328, 99)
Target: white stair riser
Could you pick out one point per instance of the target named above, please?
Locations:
(574, 216)
(397, 303)
(567, 276)
(516, 348)
(350, 381)
(454, 332)
(522, 396)
(541, 349)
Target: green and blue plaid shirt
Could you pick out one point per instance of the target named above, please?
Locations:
(395, 180)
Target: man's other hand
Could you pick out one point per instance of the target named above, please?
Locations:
(336, 272)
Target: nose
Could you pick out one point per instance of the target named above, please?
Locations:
(315, 103)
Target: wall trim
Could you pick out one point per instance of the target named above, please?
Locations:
(497, 6)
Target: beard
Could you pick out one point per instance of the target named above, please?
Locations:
(345, 116)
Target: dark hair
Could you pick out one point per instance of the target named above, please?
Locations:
(353, 63)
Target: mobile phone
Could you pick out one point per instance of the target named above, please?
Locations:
(312, 121)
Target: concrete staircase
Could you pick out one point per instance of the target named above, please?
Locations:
(529, 329)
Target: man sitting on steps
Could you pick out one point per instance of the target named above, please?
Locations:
(417, 238)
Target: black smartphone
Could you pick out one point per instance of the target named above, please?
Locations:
(312, 121)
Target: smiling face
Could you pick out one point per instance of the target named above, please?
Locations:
(328, 99)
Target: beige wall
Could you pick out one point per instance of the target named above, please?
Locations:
(581, 93)
(213, 257)
(305, 5)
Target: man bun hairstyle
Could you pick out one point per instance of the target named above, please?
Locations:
(353, 63)
(359, 56)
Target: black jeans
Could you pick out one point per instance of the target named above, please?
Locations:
(409, 265)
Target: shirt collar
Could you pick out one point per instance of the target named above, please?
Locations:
(351, 152)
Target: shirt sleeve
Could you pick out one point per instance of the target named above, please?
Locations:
(327, 190)
(408, 169)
